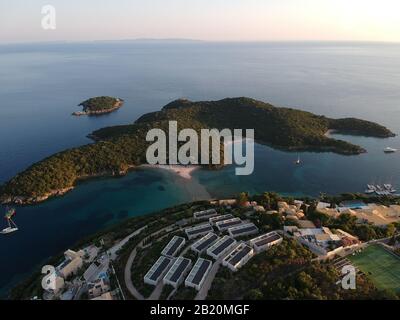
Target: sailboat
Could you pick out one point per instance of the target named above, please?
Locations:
(298, 161)
(12, 227)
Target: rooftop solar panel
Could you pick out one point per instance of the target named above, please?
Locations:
(239, 256)
(200, 272)
(207, 228)
(175, 246)
(160, 269)
(244, 230)
(267, 240)
(221, 218)
(181, 268)
(206, 243)
(223, 246)
(229, 224)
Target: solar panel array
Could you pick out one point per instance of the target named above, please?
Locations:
(226, 224)
(158, 268)
(177, 271)
(198, 272)
(220, 246)
(243, 229)
(172, 247)
(205, 242)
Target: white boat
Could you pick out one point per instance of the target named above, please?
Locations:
(8, 230)
(298, 161)
(12, 227)
(390, 150)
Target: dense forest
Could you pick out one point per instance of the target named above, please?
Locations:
(121, 147)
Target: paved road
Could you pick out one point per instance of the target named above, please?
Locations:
(128, 279)
(127, 272)
(112, 252)
(202, 294)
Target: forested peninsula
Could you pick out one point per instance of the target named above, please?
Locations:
(119, 148)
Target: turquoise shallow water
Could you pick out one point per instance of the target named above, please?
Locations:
(40, 85)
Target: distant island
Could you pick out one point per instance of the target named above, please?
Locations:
(99, 105)
(120, 148)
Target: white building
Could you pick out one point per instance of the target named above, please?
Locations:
(219, 248)
(98, 288)
(265, 241)
(243, 230)
(72, 263)
(238, 257)
(198, 231)
(226, 224)
(198, 274)
(178, 271)
(205, 214)
(173, 247)
(214, 220)
(158, 270)
(319, 240)
(90, 253)
(205, 242)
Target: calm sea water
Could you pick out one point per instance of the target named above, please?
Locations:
(41, 84)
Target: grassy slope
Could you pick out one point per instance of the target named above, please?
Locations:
(381, 266)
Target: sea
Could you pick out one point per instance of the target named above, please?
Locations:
(41, 84)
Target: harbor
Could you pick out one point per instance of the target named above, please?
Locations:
(386, 189)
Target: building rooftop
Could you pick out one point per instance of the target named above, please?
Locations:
(199, 229)
(225, 224)
(243, 228)
(265, 239)
(198, 271)
(177, 269)
(158, 268)
(205, 214)
(172, 246)
(221, 245)
(214, 220)
(240, 252)
(205, 241)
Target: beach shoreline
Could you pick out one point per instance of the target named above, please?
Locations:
(182, 171)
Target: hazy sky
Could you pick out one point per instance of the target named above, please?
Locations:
(249, 20)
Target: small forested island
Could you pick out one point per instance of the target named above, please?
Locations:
(119, 148)
(99, 105)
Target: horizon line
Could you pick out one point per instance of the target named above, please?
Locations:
(197, 40)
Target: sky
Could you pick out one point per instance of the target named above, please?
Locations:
(215, 20)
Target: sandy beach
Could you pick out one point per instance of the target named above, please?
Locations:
(184, 172)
